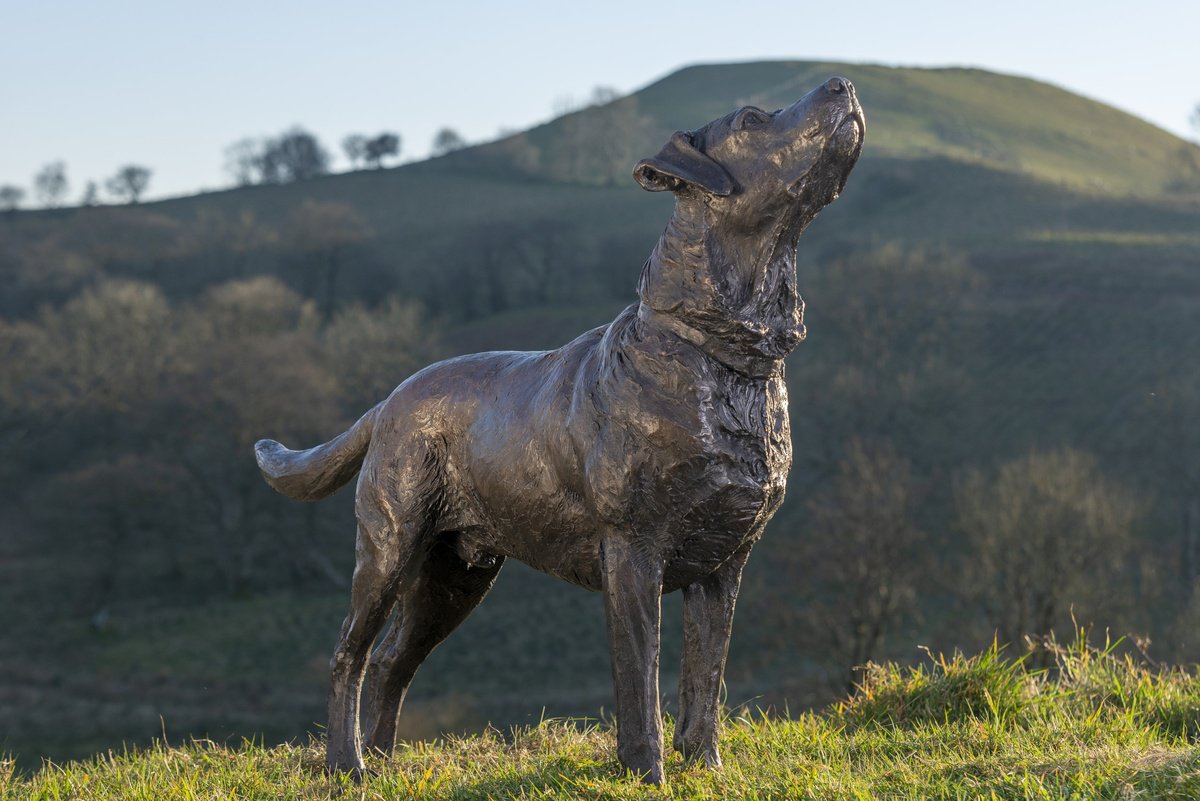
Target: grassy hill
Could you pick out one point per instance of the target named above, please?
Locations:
(1079, 229)
(1001, 121)
(1100, 727)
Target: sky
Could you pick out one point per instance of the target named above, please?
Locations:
(171, 84)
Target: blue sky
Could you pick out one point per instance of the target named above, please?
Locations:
(170, 84)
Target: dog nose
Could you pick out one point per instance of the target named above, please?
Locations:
(837, 86)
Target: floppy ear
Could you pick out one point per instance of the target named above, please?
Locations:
(680, 163)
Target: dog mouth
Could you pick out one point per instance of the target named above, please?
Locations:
(848, 136)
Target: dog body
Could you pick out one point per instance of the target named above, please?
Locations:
(644, 457)
(537, 456)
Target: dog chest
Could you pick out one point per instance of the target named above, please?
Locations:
(700, 470)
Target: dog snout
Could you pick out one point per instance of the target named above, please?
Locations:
(839, 86)
(840, 92)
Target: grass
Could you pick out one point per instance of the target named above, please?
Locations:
(1094, 725)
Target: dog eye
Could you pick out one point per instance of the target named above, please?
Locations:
(750, 117)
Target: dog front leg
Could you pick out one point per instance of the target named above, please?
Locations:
(707, 623)
(632, 604)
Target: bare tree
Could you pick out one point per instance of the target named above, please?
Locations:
(862, 555)
(446, 141)
(603, 95)
(129, 183)
(244, 161)
(564, 105)
(321, 234)
(294, 155)
(91, 195)
(371, 351)
(381, 147)
(891, 359)
(355, 148)
(11, 197)
(112, 510)
(601, 143)
(1195, 119)
(1166, 418)
(245, 349)
(51, 184)
(1046, 532)
(103, 349)
(517, 150)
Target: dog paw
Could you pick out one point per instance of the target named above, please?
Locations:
(355, 770)
(698, 750)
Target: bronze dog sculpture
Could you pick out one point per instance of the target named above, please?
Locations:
(644, 457)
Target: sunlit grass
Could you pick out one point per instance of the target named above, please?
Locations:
(1093, 725)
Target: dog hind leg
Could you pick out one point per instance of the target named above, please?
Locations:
(439, 598)
(395, 518)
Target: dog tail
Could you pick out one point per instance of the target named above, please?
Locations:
(317, 472)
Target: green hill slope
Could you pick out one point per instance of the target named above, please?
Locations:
(1005, 122)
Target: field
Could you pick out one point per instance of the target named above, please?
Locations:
(1096, 726)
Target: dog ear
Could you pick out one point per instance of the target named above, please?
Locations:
(680, 163)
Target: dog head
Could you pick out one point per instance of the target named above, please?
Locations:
(746, 186)
(758, 168)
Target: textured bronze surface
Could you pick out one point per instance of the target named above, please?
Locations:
(644, 457)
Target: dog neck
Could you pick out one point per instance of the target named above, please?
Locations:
(732, 296)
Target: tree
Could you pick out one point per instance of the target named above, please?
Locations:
(1187, 177)
(515, 149)
(11, 197)
(888, 336)
(446, 141)
(91, 195)
(103, 351)
(113, 514)
(862, 555)
(215, 245)
(248, 366)
(601, 143)
(355, 148)
(1046, 532)
(129, 182)
(321, 234)
(1169, 439)
(380, 147)
(244, 161)
(51, 184)
(294, 155)
(371, 351)
(603, 95)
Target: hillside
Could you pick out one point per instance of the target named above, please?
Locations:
(1012, 267)
(959, 728)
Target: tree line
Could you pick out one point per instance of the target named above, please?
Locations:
(293, 155)
(50, 187)
(598, 147)
(127, 416)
